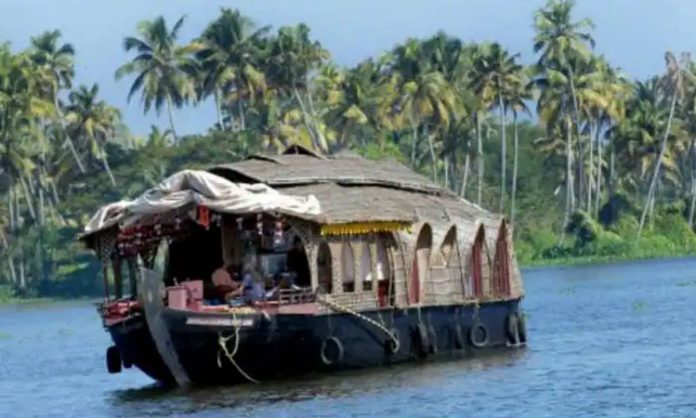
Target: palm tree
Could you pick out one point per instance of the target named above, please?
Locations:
(230, 52)
(292, 57)
(56, 63)
(673, 85)
(425, 96)
(163, 69)
(94, 122)
(563, 46)
(494, 74)
(517, 95)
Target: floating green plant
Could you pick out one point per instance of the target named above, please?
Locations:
(684, 283)
(638, 305)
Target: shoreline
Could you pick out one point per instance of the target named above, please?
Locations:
(556, 262)
(588, 260)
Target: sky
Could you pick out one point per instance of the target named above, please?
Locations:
(632, 34)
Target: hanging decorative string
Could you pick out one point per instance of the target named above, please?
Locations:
(359, 228)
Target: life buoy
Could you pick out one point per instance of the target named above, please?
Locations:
(331, 351)
(432, 338)
(458, 336)
(422, 342)
(113, 360)
(522, 328)
(512, 330)
(478, 335)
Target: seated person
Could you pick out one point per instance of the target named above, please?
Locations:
(252, 288)
(225, 287)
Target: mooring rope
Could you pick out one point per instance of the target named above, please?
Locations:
(326, 300)
(222, 342)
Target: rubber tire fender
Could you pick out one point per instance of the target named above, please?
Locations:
(432, 339)
(421, 339)
(521, 328)
(475, 328)
(512, 329)
(458, 336)
(326, 357)
(113, 360)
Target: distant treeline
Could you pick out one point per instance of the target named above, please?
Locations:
(583, 160)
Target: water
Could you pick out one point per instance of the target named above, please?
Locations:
(606, 341)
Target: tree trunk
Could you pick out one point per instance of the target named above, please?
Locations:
(656, 172)
(305, 117)
(10, 259)
(569, 206)
(590, 171)
(479, 158)
(576, 123)
(414, 142)
(41, 198)
(27, 198)
(242, 118)
(598, 188)
(431, 146)
(612, 174)
(465, 177)
(218, 109)
(105, 162)
(514, 168)
(692, 169)
(315, 120)
(503, 149)
(447, 166)
(64, 129)
(170, 111)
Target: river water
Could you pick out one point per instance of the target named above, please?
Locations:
(605, 341)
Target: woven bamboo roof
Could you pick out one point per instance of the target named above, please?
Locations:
(353, 189)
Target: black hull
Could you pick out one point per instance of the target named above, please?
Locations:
(277, 346)
(133, 339)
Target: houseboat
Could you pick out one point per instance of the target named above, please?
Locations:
(279, 265)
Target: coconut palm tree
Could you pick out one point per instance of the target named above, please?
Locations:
(517, 96)
(563, 46)
(162, 68)
(562, 42)
(495, 73)
(672, 84)
(56, 63)
(292, 58)
(94, 122)
(230, 53)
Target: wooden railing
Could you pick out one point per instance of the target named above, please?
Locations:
(295, 296)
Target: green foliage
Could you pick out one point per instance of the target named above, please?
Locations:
(571, 177)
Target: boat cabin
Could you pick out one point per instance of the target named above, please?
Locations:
(368, 234)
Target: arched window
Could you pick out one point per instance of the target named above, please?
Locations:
(348, 268)
(366, 267)
(421, 264)
(449, 248)
(501, 278)
(476, 264)
(324, 269)
(385, 283)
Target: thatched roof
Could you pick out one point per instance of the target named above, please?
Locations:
(353, 189)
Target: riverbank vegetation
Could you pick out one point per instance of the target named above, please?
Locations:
(586, 162)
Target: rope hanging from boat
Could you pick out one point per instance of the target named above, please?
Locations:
(326, 300)
(222, 342)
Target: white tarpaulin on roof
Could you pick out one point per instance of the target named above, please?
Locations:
(210, 190)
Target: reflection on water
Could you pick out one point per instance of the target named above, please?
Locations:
(613, 341)
(344, 384)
